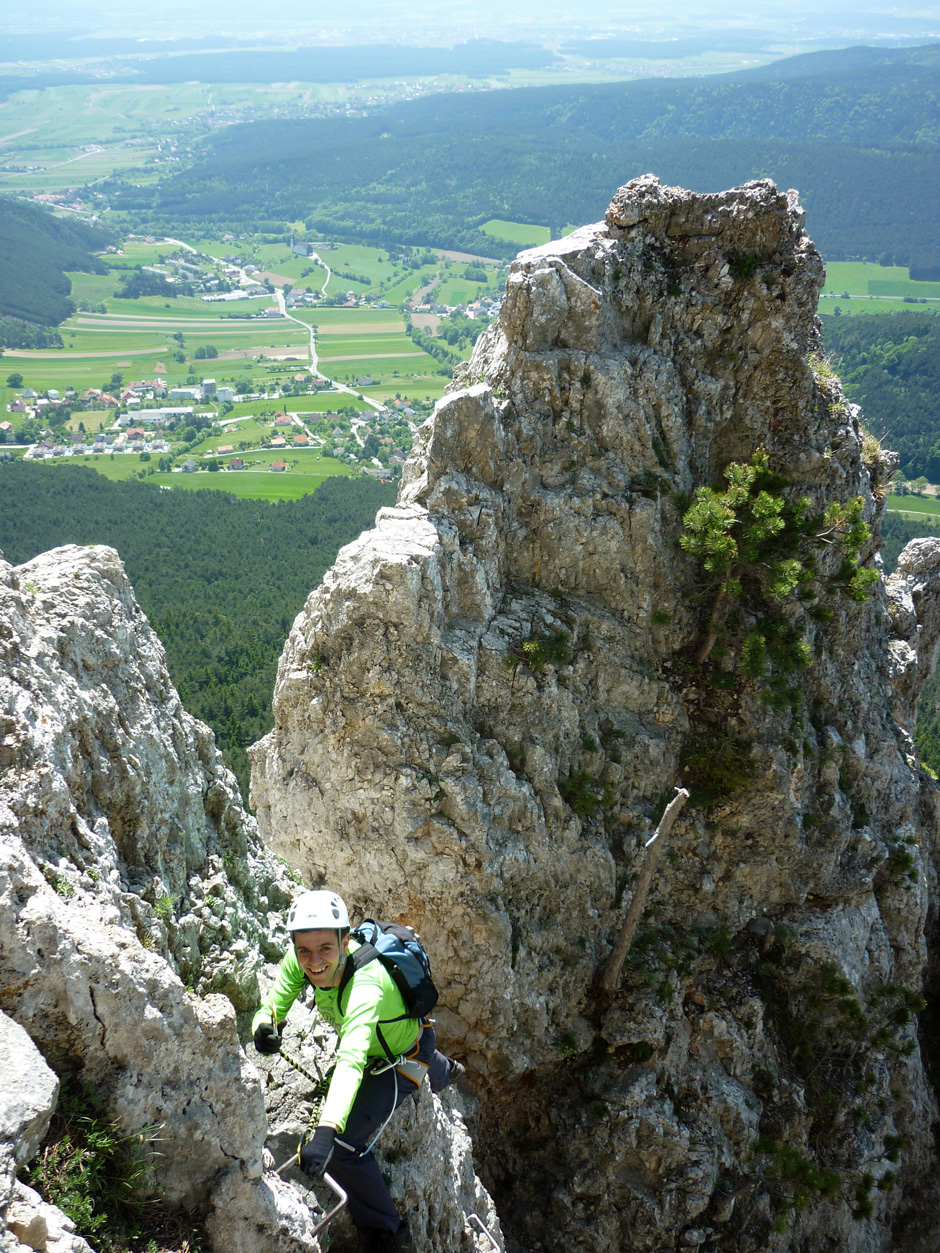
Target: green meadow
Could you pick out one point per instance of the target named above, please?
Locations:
(400, 365)
(269, 485)
(299, 461)
(860, 307)
(428, 386)
(247, 432)
(459, 291)
(306, 471)
(315, 406)
(343, 347)
(521, 233)
(874, 289)
(914, 506)
(65, 168)
(360, 321)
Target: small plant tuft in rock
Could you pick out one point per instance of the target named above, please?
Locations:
(584, 794)
(100, 1176)
(743, 266)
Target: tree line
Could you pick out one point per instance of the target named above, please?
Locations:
(36, 250)
(220, 579)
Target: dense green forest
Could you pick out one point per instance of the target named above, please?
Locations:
(15, 333)
(859, 138)
(35, 251)
(220, 579)
(891, 367)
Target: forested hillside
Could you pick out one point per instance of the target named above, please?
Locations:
(220, 579)
(891, 367)
(861, 141)
(35, 251)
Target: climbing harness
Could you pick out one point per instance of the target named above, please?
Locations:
(321, 1084)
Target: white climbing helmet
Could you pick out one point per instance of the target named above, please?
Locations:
(318, 911)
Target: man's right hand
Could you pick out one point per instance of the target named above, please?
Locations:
(267, 1039)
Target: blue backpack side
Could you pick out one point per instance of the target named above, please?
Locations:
(401, 952)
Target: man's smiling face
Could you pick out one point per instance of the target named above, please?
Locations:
(321, 956)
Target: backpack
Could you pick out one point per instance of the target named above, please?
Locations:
(402, 954)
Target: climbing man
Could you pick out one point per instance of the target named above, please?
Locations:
(382, 1057)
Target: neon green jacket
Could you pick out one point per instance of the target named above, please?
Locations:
(370, 997)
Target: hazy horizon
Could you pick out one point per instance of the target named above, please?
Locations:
(784, 23)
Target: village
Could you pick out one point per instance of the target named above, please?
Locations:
(337, 382)
(191, 438)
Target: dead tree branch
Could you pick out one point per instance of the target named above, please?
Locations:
(610, 979)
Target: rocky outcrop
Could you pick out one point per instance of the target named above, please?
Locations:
(28, 1092)
(133, 890)
(481, 712)
(140, 918)
(913, 601)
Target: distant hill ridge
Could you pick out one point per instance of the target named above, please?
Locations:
(856, 131)
(35, 251)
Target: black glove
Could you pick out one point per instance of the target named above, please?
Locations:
(317, 1152)
(267, 1039)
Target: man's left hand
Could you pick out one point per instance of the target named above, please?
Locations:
(317, 1152)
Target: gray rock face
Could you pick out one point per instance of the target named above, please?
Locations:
(480, 713)
(138, 913)
(28, 1092)
(126, 866)
(913, 602)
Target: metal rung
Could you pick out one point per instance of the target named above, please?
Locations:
(331, 1182)
(475, 1218)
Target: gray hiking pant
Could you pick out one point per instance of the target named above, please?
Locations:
(353, 1165)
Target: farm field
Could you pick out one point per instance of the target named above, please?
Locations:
(306, 471)
(360, 269)
(129, 340)
(99, 289)
(49, 127)
(64, 168)
(92, 355)
(248, 432)
(874, 289)
(348, 348)
(410, 284)
(459, 291)
(428, 386)
(521, 233)
(914, 506)
(251, 484)
(351, 321)
(357, 343)
(313, 404)
(371, 264)
(349, 369)
(865, 306)
(299, 461)
(323, 402)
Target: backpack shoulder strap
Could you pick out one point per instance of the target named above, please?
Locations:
(354, 961)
